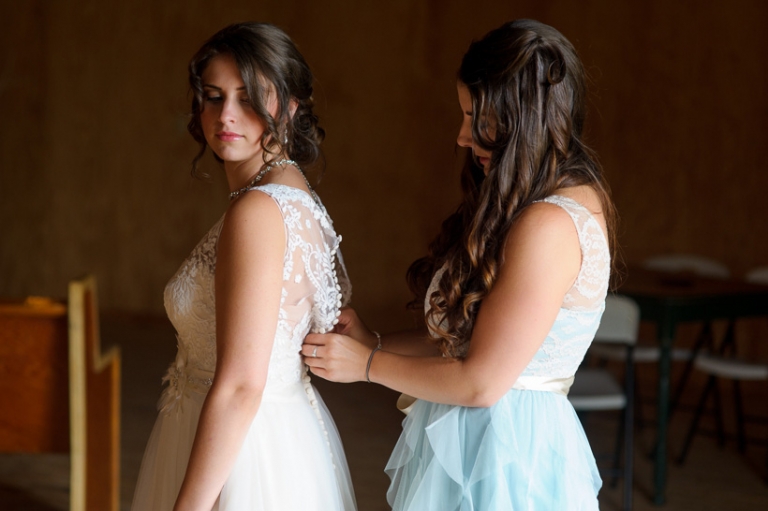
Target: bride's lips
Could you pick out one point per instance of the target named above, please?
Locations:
(483, 161)
(228, 136)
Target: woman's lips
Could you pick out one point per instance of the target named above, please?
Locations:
(483, 161)
(228, 136)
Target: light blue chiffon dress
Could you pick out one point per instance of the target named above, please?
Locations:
(528, 452)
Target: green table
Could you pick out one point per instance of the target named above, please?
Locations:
(668, 299)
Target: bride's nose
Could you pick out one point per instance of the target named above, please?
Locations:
(229, 111)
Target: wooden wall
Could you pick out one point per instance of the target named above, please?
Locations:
(94, 155)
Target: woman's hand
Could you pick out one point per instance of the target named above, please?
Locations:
(336, 357)
(351, 325)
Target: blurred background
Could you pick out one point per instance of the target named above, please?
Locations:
(95, 157)
(95, 169)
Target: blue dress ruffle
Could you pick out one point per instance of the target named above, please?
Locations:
(526, 452)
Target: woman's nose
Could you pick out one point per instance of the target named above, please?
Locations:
(465, 135)
(228, 111)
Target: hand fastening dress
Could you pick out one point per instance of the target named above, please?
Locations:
(292, 458)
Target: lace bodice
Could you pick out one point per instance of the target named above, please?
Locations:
(315, 285)
(566, 343)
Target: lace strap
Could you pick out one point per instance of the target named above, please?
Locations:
(586, 224)
(592, 280)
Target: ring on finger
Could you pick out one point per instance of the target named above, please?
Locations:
(314, 352)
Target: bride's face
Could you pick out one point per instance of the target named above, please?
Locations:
(231, 126)
(465, 138)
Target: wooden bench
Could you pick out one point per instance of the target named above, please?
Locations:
(60, 393)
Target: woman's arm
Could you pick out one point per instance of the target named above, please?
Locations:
(249, 271)
(414, 342)
(542, 258)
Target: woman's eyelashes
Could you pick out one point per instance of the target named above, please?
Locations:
(217, 98)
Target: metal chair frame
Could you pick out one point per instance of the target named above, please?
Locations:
(709, 364)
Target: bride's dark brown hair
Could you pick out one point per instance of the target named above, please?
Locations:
(269, 63)
(528, 91)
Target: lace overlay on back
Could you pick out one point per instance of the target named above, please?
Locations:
(315, 286)
(566, 343)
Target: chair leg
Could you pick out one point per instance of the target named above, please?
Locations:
(639, 415)
(741, 435)
(765, 479)
(619, 448)
(711, 383)
(629, 446)
(718, 414)
(704, 340)
(728, 346)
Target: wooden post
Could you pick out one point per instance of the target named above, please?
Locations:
(94, 394)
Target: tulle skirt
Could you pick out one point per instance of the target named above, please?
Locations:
(528, 452)
(291, 459)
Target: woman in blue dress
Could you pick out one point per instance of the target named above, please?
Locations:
(513, 290)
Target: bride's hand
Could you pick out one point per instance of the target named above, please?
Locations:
(336, 357)
(351, 325)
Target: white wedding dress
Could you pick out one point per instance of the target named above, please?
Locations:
(292, 457)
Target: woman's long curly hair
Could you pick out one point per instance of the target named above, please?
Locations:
(528, 90)
(269, 63)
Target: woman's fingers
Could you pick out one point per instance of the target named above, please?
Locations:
(352, 326)
(347, 320)
(315, 339)
(333, 357)
(310, 350)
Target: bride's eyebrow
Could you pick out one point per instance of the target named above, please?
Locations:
(209, 86)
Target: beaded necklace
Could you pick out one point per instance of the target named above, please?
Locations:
(263, 172)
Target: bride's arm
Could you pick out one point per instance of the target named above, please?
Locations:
(542, 258)
(249, 271)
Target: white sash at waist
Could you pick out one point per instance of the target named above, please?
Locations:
(539, 383)
(544, 383)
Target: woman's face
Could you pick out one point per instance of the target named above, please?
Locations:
(230, 124)
(465, 132)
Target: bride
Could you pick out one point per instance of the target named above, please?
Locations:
(240, 426)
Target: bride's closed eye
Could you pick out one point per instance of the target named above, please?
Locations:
(217, 98)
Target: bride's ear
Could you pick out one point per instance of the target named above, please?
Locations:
(292, 106)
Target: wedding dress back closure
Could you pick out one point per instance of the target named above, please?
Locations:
(315, 286)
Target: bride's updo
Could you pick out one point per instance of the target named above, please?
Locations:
(269, 63)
